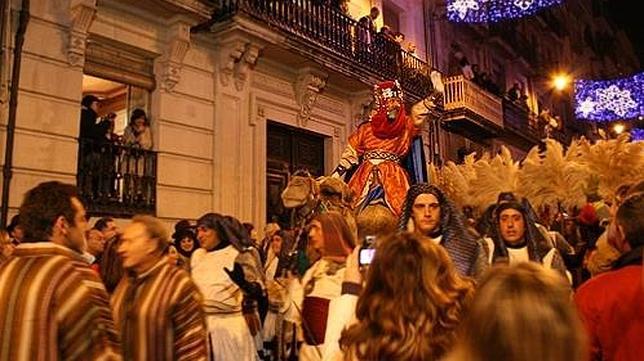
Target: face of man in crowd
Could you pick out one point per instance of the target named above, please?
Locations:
(18, 233)
(136, 249)
(95, 106)
(426, 213)
(95, 242)
(187, 244)
(74, 234)
(512, 226)
(110, 230)
(207, 237)
(276, 244)
(314, 249)
(316, 235)
(375, 13)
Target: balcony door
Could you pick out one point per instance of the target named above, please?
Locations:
(288, 149)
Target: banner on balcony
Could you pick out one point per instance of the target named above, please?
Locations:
(610, 100)
(485, 11)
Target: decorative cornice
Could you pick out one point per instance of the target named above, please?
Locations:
(308, 84)
(177, 48)
(83, 13)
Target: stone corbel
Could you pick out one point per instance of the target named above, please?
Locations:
(83, 13)
(308, 84)
(237, 57)
(178, 46)
(243, 66)
(360, 107)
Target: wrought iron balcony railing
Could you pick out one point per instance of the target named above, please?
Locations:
(116, 180)
(330, 30)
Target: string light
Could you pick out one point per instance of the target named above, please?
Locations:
(637, 134)
(484, 11)
(610, 100)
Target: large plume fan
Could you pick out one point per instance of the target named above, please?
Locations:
(554, 177)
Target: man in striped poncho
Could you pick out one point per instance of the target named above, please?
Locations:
(52, 305)
(157, 308)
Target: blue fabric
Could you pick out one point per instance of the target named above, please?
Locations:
(415, 163)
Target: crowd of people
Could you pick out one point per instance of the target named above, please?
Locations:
(439, 286)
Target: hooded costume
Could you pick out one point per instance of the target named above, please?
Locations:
(228, 276)
(463, 248)
(535, 248)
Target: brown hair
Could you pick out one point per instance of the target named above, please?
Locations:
(521, 313)
(42, 205)
(155, 230)
(337, 235)
(411, 305)
(629, 217)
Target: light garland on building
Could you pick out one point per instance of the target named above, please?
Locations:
(637, 134)
(484, 11)
(610, 100)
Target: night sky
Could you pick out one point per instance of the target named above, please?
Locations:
(626, 15)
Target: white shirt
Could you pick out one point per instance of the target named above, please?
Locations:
(518, 255)
(207, 269)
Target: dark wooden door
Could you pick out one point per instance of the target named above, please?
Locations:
(288, 149)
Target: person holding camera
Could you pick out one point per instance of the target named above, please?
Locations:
(409, 308)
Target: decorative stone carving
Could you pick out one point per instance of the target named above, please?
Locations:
(237, 57)
(178, 46)
(260, 115)
(230, 54)
(360, 107)
(308, 84)
(243, 66)
(83, 13)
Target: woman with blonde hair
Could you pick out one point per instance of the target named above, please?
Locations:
(522, 312)
(412, 303)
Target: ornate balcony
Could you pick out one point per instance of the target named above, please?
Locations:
(471, 110)
(328, 37)
(116, 180)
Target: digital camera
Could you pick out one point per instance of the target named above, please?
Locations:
(367, 251)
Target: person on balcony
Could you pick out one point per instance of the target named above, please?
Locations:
(514, 92)
(137, 133)
(90, 129)
(366, 31)
(91, 138)
(138, 167)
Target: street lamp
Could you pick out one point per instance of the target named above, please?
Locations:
(560, 81)
(619, 128)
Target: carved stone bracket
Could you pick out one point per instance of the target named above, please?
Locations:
(237, 57)
(178, 46)
(308, 84)
(83, 13)
(360, 107)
